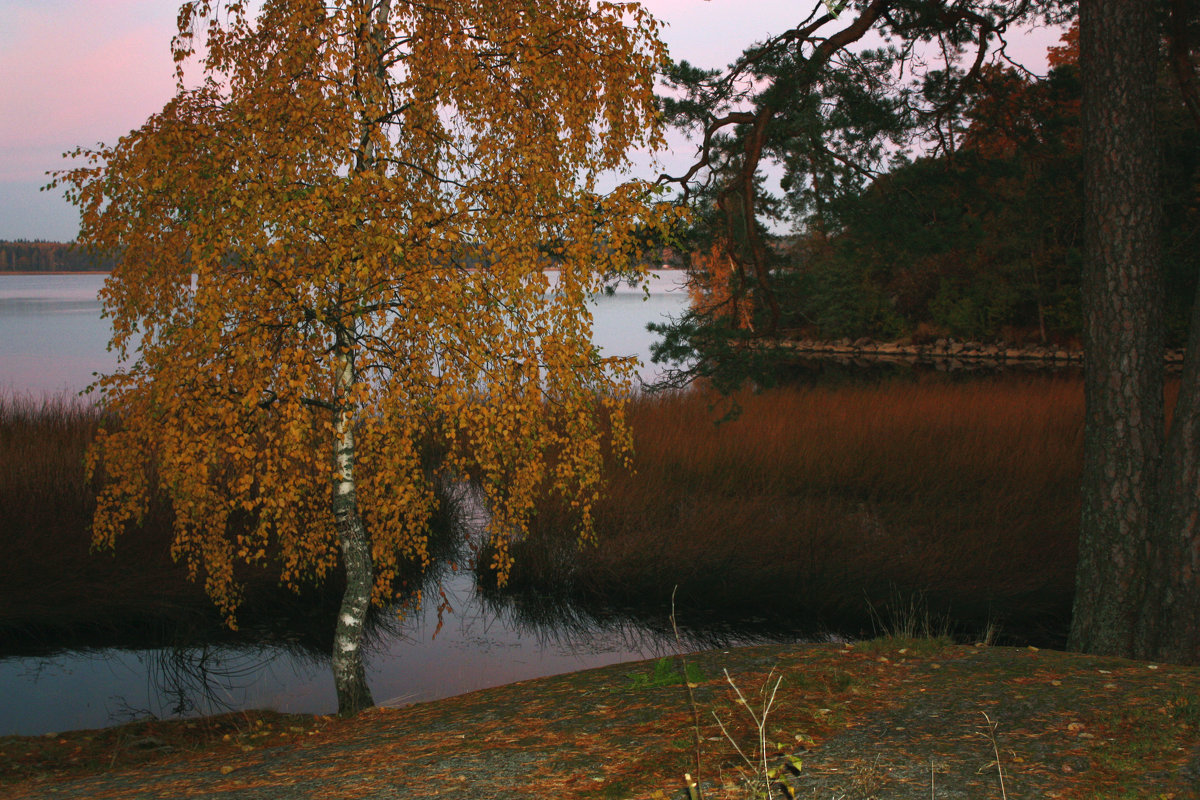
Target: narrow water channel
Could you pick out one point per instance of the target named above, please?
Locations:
(479, 644)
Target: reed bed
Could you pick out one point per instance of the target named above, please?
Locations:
(819, 508)
(57, 593)
(825, 507)
(51, 583)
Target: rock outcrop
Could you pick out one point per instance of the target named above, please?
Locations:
(945, 350)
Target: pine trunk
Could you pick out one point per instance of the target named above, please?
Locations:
(1122, 301)
(1169, 628)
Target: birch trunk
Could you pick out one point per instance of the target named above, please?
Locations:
(349, 672)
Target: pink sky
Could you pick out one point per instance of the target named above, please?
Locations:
(79, 72)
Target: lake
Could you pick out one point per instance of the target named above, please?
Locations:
(52, 340)
(52, 337)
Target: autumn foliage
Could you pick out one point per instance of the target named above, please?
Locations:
(713, 287)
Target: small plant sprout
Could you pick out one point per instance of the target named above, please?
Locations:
(762, 776)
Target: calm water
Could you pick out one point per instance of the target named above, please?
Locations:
(52, 337)
(52, 340)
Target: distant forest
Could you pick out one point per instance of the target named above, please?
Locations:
(979, 240)
(24, 256)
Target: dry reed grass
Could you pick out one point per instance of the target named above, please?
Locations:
(56, 592)
(812, 506)
(49, 578)
(813, 503)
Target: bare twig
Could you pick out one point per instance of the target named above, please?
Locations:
(990, 735)
(693, 782)
(760, 770)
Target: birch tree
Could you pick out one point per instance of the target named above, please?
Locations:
(332, 248)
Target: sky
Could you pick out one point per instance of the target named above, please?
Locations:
(81, 72)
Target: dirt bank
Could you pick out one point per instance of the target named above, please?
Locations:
(876, 720)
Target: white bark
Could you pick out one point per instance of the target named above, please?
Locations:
(349, 673)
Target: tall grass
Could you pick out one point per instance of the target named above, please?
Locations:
(55, 592)
(814, 505)
(51, 584)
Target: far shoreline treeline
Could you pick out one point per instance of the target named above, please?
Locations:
(38, 256)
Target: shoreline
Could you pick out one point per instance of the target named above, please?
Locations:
(943, 351)
(896, 717)
(55, 272)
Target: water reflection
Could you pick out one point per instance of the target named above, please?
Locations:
(557, 620)
(96, 688)
(484, 641)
